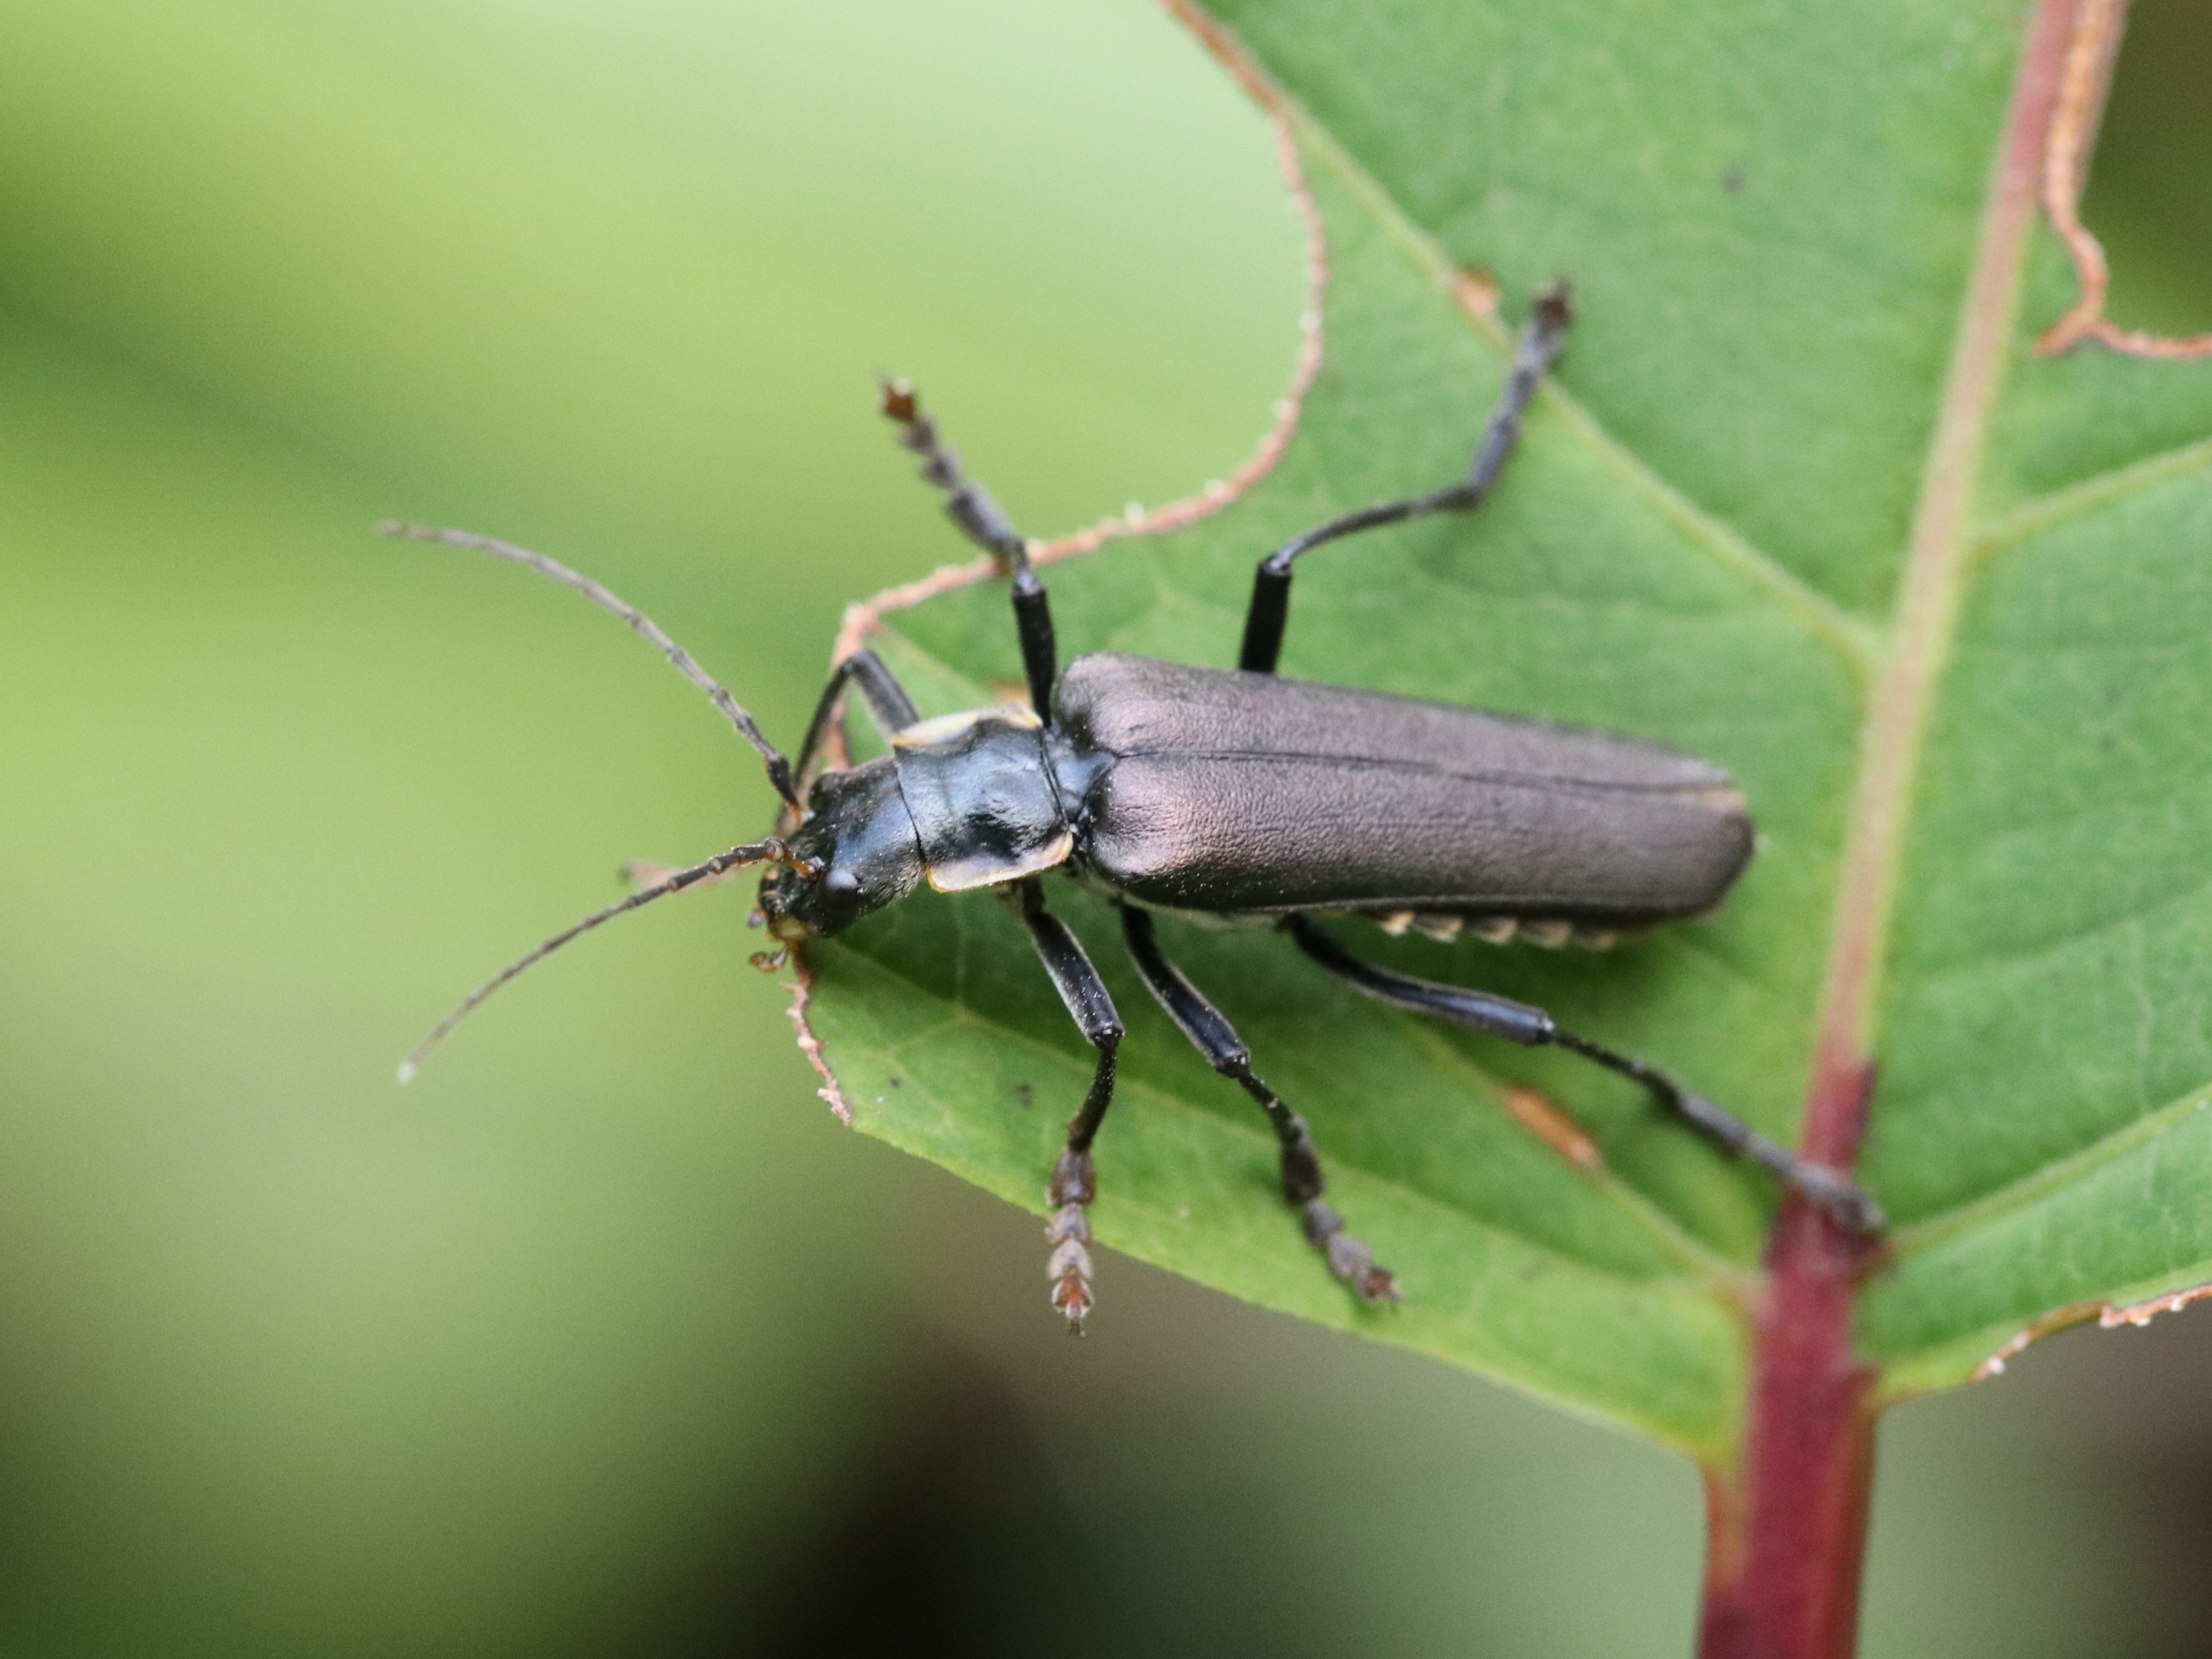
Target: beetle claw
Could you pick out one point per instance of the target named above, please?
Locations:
(1070, 1294)
(1842, 1200)
(1378, 1284)
(1349, 1258)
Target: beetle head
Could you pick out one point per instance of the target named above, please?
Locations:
(859, 840)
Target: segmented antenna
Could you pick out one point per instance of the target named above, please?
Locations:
(757, 852)
(779, 770)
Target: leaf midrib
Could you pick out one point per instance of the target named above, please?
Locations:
(1931, 591)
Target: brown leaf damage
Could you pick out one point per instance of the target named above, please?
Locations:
(2113, 1315)
(1544, 1120)
(2109, 1315)
(802, 990)
(2087, 78)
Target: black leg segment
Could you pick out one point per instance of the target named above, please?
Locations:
(888, 703)
(1516, 1021)
(1074, 1181)
(968, 505)
(1214, 1037)
(1541, 342)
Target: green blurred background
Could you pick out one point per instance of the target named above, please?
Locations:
(603, 1337)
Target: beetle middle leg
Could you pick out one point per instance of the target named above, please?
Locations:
(1074, 1181)
(1212, 1035)
(1541, 342)
(1837, 1195)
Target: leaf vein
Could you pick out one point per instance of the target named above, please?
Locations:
(2041, 511)
(2043, 949)
(2059, 1173)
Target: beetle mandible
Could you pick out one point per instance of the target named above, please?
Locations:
(1237, 795)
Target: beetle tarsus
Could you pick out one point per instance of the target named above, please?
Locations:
(1554, 309)
(1830, 1191)
(967, 503)
(1302, 1179)
(1213, 1036)
(1842, 1200)
(1348, 1258)
(1074, 1183)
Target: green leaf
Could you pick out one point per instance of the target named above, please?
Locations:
(1734, 515)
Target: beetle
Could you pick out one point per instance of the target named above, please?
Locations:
(1235, 795)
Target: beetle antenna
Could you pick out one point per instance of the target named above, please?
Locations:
(771, 851)
(778, 768)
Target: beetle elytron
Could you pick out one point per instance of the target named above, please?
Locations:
(1239, 795)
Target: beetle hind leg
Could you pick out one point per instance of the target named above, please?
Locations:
(1831, 1191)
(1212, 1035)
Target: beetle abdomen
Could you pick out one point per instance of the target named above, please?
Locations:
(1240, 792)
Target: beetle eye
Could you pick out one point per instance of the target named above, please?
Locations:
(843, 880)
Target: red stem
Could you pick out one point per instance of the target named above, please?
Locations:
(1788, 1532)
(1787, 1526)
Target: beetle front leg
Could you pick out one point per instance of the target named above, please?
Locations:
(981, 520)
(888, 705)
(1074, 1181)
(1541, 342)
(1835, 1193)
(1212, 1035)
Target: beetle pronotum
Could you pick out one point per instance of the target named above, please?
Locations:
(1236, 794)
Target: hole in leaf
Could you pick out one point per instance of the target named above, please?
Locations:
(2149, 195)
